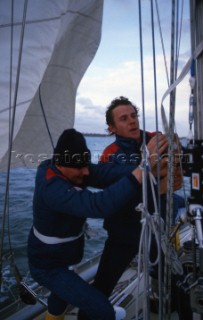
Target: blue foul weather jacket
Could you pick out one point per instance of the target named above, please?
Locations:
(60, 210)
(125, 227)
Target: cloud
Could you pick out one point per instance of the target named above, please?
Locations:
(90, 117)
(116, 68)
(101, 85)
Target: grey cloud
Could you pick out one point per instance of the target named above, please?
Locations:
(89, 105)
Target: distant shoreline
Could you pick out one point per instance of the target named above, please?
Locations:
(108, 135)
(96, 135)
(183, 140)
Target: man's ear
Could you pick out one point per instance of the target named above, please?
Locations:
(112, 128)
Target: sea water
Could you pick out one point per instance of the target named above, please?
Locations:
(19, 217)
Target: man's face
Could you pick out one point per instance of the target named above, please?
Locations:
(126, 122)
(76, 175)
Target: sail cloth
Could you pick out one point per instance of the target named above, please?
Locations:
(59, 42)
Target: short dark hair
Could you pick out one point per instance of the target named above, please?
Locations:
(114, 104)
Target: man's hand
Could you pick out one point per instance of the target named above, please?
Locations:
(156, 147)
(161, 158)
(177, 183)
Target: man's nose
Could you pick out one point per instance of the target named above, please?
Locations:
(132, 119)
(85, 171)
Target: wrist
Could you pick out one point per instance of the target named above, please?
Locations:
(137, 173)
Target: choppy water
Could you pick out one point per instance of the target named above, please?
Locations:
(19, 219)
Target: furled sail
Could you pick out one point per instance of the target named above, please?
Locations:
(46, 47)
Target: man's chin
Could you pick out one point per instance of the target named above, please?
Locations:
(135, 135)
(83, 182)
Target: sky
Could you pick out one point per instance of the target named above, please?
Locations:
(116, 68)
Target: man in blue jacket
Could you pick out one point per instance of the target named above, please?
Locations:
(124, 228)
(61, 205)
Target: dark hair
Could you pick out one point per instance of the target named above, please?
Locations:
(114, 104)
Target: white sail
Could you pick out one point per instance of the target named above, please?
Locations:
(60, 40)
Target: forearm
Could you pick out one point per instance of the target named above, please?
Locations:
(104, 174)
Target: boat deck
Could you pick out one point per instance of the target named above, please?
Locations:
(124, 295)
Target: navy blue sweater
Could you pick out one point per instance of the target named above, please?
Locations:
(60, 209)
(125, 227)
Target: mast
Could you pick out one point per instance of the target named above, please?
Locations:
(196, 13)
(195, 151)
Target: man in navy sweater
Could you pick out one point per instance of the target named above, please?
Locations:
(124, 228)
(61, 205)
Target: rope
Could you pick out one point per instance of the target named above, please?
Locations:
(144, 172)
(162, 42)
(184, 72)
(151, 224)
(169, 203)
(11, 132)
(45, 118)
(148, 226)
(6, 207)
(172, 87)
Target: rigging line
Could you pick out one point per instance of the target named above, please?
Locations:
(177, 59)
(10, 112)
(143, 103)
(12, 129)
(142, 241)
(194, 55)
(180, 32)
(11, 70)
(169, 204)
(144, 173)
(184, 72)
(53, 18)
(44, 116)
(176, 42)
(158, 163)
(173, 77)
(177, 48)
(6, 200)
(162, 42)
(175, 56)
(28, 22)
